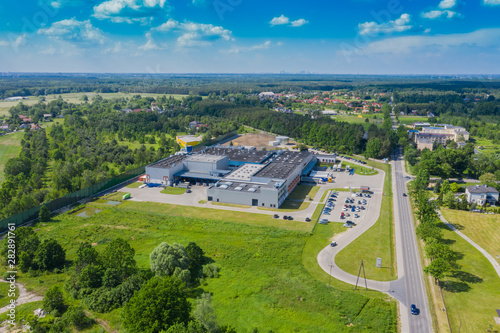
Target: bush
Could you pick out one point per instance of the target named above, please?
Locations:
(211, 271)
(53, 300)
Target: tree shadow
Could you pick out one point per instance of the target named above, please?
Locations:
(455, 286)
(458, 226)
(467, 277)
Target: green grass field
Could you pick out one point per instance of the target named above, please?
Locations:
(484, 229)
(174, 190)
(10, 146)
(376, 242)
(135, 185)
(289, 206)
(301, 192)
(409, 120)
(264, 282)
(360, 170)
(472, 296)
(354, 119)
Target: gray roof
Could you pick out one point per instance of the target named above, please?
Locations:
(481, 189)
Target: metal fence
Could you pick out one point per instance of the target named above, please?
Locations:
(71, 198)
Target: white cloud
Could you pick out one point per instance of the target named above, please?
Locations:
(280, 20)
(167, 26)
(15, 43)
(130, 11)
(195, 34)
(263, 46)
(50, 50)
(426, 31)
(373, 28)
(447, 4)
(150, 43)
(283, 20)
(434, 14)
(408, 44)
(492, 2)
(117, 48)
(56, 4)
(74, 30)
(299, 23)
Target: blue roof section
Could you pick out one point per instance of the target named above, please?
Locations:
(413, 131)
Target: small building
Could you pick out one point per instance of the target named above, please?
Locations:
(47, 115)
(481, 195)
(188, 140)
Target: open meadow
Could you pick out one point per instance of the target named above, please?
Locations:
(10, 146)
(269, 277)
(76, 98)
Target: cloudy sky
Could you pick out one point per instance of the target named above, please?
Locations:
(251, 36)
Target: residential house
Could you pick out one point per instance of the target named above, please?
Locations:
(481, 194)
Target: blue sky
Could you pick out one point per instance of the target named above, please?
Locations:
(243, 36)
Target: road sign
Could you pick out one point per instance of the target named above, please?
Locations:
(379, 262)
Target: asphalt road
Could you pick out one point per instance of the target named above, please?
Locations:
(409, 266)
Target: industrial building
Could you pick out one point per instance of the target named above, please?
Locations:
(236, 175)
(188, 140)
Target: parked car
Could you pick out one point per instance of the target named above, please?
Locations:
(285, 217)
(332, 244)
(346, 225)
(351, 223)
(323, 221)
(356, 215)
(290, 218)
(308, 219)
(276, 216)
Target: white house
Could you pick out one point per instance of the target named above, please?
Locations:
(481, 194)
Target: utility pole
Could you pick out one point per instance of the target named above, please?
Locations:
(364, 275)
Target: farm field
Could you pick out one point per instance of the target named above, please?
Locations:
(10, 146)
(483, 229)
(264, 282)
(76, 98)
(486, 146)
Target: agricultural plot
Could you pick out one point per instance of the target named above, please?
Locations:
(10, 146)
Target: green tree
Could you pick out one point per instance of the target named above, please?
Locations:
(437, 269)
(454, 187)
(120, 256)
(44, 214)
(168, 260)
(158, 305)
(196, 258)
(373, 148)
(53, 300)
(86, 255)
(204, 313)
(488, 178)
(49, 256)
(449, 200)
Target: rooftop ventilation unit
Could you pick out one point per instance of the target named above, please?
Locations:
(239, 188)
(252, 189)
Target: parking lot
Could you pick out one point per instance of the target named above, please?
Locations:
(345, 206)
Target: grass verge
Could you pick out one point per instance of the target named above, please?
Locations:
(301, 192)
(484, 229)
(135, 185)
(376, 242)
(174, 190)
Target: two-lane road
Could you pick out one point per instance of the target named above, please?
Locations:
(411, 269)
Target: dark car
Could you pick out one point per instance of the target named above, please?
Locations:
(404, 195)
(308, 219)
(290, 218)
(285, 217)
(414, 310)
(276, 216)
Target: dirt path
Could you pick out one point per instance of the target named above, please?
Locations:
(24, 296)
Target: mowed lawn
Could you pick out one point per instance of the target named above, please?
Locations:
(409, 120)
(263, 282)
(376, 242)
(483, 229)
(472, 296)
(10, 146)
(301, 192)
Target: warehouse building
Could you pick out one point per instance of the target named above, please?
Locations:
(235, 175)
